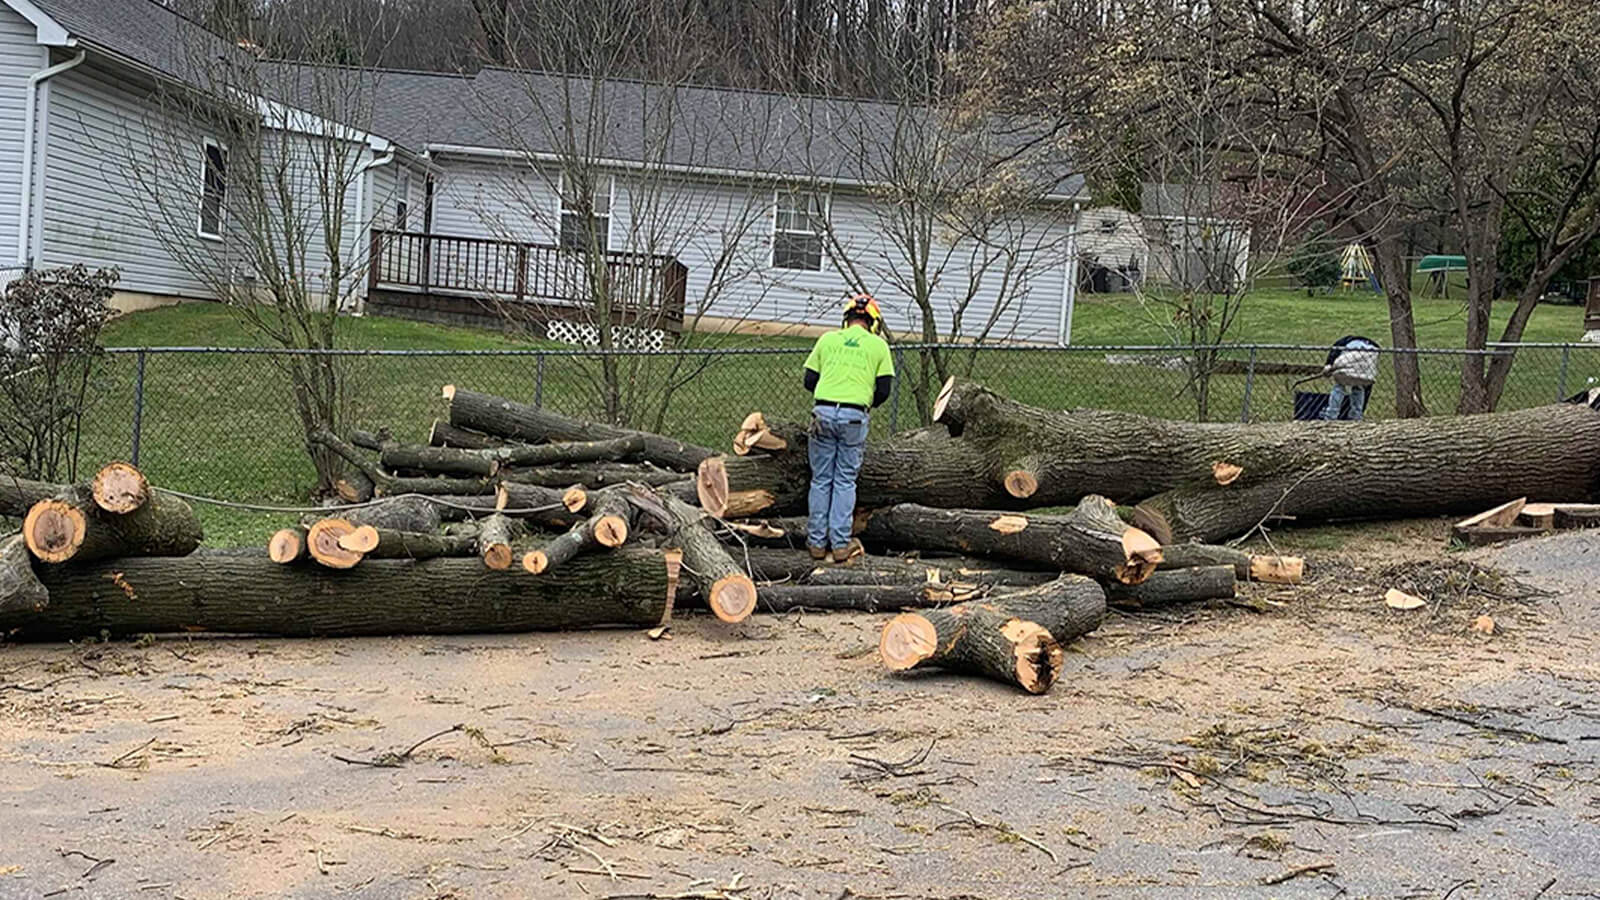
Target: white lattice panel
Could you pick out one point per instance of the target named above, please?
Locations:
(584, 334)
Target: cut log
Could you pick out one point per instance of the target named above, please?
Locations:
(1167, 587)
(287, 545)
(1091, 540)
(322, 543)
(1247, 567)
(419, 514)
(443, 434)
(723, 584)
(360, 540)
(250, 594)
(1537, 515)
(519, 421)
(1308, 471)
(386, 485)
(767, 564)
(570, 453)
(391, 544)
(592, 475)
(867, 598)
(756, 435)
(20, 590)
(495, 534)
(537, 497)
(609, 524)
(1480, 535)
(1015, 638)
(1577, 515)
(72, 527)
(439, 460)
(18, 495)
(354, 486)
(119, 488)
(1504, 514)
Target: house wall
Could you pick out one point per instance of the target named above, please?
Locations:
(721, 230)
(110, 154)
(20, 57)
(1114, 238)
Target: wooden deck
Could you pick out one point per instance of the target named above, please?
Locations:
(485, 282)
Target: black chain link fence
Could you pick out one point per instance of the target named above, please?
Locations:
(221, 422)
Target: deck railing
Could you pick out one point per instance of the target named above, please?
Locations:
(642, 290)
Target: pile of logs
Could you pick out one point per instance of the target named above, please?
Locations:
(996, 536)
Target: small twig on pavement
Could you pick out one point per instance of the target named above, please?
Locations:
(1297, 871)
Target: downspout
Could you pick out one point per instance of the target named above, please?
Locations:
(1069, 289)
(364, 221)
(25, 214)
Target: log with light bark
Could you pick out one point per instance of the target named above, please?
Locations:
(119, 487)
(1090, 540)
(1169, 586)
(610, 521)
(20, 590)
(519, 421)
(722, 582)
(72, 527)
(1015, 638)
(1207, 481)
(443, 434)
(229, 592)
(1268, 568)
(495, 534)
(288, 545)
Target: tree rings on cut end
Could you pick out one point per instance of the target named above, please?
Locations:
(1038, 654)
(1021, 483)
(733, 597)
(611, 531)
(120, 488)
(363, 540)
(286, 545)
(575, 499)
(322, 542)
(535, 562)
(54, 530)
(906, 640)
(711, 486)
(497, 556)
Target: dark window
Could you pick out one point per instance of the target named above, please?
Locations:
(400, 211)
(213, 184)
(587, 228)
(797, 224)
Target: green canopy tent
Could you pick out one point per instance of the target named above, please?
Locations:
(1438, 268)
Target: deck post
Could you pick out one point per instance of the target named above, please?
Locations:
(522, 272)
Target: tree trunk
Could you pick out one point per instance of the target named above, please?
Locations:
(518, 421)
(392, 544)
(20, 590)
(609, 524)
(119, 488)
(722, 582)
(768, 564)
(566, 454)
(866, 598)
(73, 527)
(593, 475)
(443, 434)
(249, 594)
(18, 495)
(1091, 540)
(495, 534)
(1389, 260)
(386, 485)
(1013, 638)
(436, 460)
(1246, 566)
(1167, 587)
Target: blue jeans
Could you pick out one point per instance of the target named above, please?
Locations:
(1358, 400)
(837, 438)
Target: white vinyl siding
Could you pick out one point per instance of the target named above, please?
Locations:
(20, 57)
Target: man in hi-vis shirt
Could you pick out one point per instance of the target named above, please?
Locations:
(848, 373)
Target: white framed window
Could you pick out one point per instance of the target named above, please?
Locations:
(798, 218)
(213, 188)
(581, 228)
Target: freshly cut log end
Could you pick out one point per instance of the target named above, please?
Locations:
(54, 530)
(20, 589)
(752, 426)
(1038, 656)
(1277, 569)
(1143, 556)
(354, 487)
(575, 499)
(906, 640)
(733, 598)
(449, 392)
(497, 557)
(322, 542)
(535, 562)
(363, 540)
(495, 534)
(120, 488)
(1225, 473)
(287, 545)
(611, 531)
(711, 486)
(979, 638)
(942, 402)
(1021, 483)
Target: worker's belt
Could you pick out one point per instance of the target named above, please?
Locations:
(856, 406)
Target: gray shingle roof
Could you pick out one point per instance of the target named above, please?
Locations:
(143, 31)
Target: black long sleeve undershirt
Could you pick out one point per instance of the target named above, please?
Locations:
(882, 387)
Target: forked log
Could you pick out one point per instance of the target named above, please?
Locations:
(72, 527)
(519, 421)
(119, 488)
(287, 545)
(495, 534)
(228, 592)
(20, 590)
(1014, 638)
(609, 524)
(1246, 566)
(322, 543)
(1091, 540)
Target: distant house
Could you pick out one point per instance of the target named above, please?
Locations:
(748, 203)
(1182, 236)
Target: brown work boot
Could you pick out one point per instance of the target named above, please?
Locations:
(818, 552)
(845, 553)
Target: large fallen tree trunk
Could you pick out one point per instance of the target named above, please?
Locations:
(768, 564)
(1015, 638)
(73, 527)
(1091, 540)
(519, 421)
(249, 594)
(1170, 586)
(18, 495)
(1201, 481)
(20, 590)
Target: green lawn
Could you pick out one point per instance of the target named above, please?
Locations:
(223, 425)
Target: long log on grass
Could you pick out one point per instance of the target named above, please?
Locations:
(250, 594)
(20, 589)
(519, 421)
(610, 522)
(1091, 540)
(1015, 638)
(72, 527)
(1270, 568)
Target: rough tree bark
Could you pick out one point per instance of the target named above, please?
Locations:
(443, 434)
(249, 594)
(20, 590)
(72, 527)
(519, 421)
(1170, 586)
(608, 525)
(18, 495)
(1015, 638)
(722, 582)
(1091, 540)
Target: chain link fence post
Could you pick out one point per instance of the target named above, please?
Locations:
(538, 381)
(894, 392)
(1249, 386)
(1561, 377)
(138, 407)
